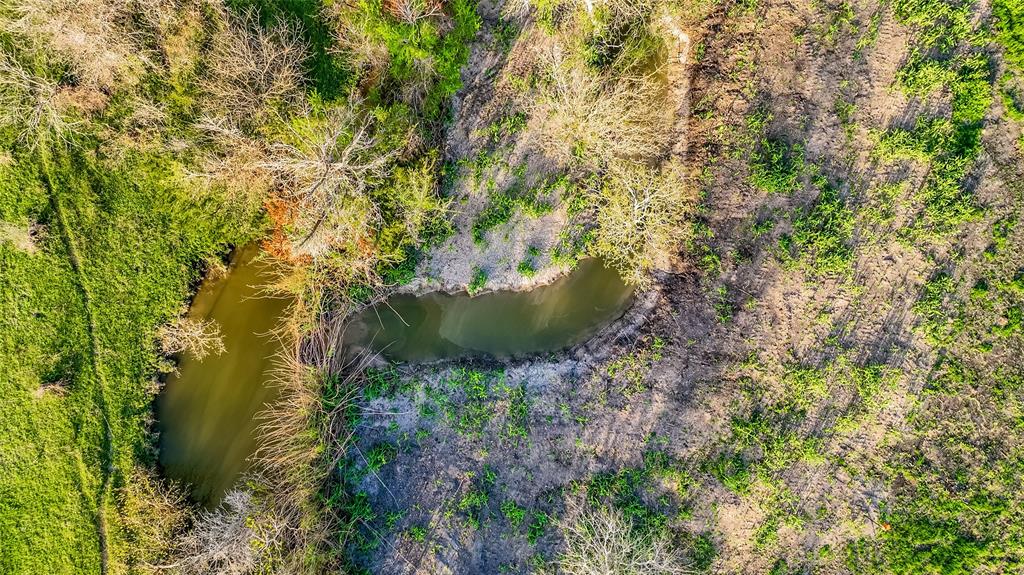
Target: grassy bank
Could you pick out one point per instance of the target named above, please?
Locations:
(78, 349)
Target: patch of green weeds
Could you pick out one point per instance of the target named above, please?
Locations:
(938, 326)
(380, 455)
(417, 533)
(775, 166)
(518, 413)
(822, 233)
(477, 282)
(503, 206)
(526, 269)
(537, 527)
(474, 504)
(381, 382)
(514, 514)
(505, 126)
(443, 41)
(630, 371)
(471, 414)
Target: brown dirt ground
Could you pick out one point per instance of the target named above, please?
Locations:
(581, 421)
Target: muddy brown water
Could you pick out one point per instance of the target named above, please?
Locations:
(208, 410)
(500, 323)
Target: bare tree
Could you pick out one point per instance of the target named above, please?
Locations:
(582, 116)
(236, 538)
(642, 216)
(29, 104)
(98, 38)
(197, 337)
(412, 11)
(251, 67)
(327, 170)
(601, 541)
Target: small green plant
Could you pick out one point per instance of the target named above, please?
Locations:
(513, 513)
(380, 455)
(535, 530)
(417, 533)
(474, 503)
(518, 413)
(822, 233)
(775, 167)
(477, 282)
(526, 268)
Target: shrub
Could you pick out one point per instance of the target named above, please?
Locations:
(642, 217)
(237, 537)
(413, 43)
(477, 282)
(601, 540)
(583, 116)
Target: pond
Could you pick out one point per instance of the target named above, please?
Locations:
(499, 324)
(208, 410)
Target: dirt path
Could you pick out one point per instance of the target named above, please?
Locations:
(108, 436)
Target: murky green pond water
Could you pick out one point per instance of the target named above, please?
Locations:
(207, 412)
(501, 323)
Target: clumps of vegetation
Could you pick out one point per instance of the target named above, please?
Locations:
(822, 233)
(526, 268)
(503, 206)
(948, 145)
(937, 325)
(775, 166)
(630, 371)
(518, 417)
(642, 216)
(477, 282)
(407, 50)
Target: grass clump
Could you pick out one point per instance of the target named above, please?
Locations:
(775, 167)
(822, 234)
(477, 282)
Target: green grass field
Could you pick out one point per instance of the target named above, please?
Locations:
(140, 239)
